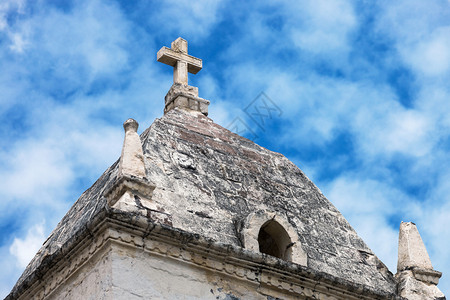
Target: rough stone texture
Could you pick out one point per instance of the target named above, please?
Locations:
(132, 158)
(411, 249)
(253, 224)
(181, 95)
(181, 62)
(185, 97)
(415, 275)
(126, 256)
(411, 288)
(209, 180)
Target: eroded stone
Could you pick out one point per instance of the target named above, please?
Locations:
(411, 249)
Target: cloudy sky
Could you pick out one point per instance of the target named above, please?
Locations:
(359, 91)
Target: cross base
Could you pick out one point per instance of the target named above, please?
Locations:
(185, 97)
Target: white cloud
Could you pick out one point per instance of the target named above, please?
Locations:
(369, 112)
(192, 18)
(394, 130)
(358, 196)
(7, 7)
(35, 170)
(420, 31)
(433, 101)
(368, 204)
(91, 36)
(72, 130)
(18, 44)
(322, 26)
(10, 270)
(41, 168)
(408, 133)
(431, 54)
(24, 249)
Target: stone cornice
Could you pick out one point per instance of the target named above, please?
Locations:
(128, 182)
(426, 275)
(134, 230)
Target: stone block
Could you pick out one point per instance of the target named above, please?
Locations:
(411, 249)
(185, 97)
(181, 102)
(427, 276)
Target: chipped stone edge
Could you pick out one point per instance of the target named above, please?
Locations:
(114, 226)
(427, 276)
(186, 97)
(132, 183)
(256, 220)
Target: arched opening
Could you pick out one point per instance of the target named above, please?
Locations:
(274, 240)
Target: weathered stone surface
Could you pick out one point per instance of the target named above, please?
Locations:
(252, 226)
(178, 58)
(209, 181)
(125, 256)
(93, 279)
(185, 97)
(231, 177)
(412, 289)
(162, 277)
(181, 95)
(415, 275)
(411, 249)
(132, 158)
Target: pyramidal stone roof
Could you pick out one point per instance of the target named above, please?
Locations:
(187, 178)
(208, 181)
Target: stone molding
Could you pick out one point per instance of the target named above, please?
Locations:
(419, 284)
(271, 274)
(71, 259)
(426, 275)
(137, 185)
(185, 97)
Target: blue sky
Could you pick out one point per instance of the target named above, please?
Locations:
(362, 91)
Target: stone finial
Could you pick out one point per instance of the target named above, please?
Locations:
(411, 249)
(132, 158)
(132, 191)
(415, 276)
(181, 95)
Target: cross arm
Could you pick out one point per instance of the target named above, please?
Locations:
(170, 57)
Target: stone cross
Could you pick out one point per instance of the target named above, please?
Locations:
(181, 62)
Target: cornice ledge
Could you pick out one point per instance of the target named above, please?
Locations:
(138, 230)
(125, 182)
(244, 258)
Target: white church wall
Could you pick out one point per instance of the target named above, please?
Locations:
(92, 281)
(138, 274)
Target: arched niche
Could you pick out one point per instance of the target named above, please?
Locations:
(272, 234)
(274, 240)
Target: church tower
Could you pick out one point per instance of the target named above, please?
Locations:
(194, 211)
